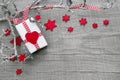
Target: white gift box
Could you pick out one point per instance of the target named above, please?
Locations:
(31, 35)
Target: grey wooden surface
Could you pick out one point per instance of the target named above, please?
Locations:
(85, 54)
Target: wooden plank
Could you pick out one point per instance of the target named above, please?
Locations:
(64, 76)
(71, 63)
(85, 54)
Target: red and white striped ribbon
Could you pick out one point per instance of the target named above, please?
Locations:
(76, 6)
(26, 11)
(88, 6)
(29, 31)
(92, 7)
(49, 6)
(22, 19)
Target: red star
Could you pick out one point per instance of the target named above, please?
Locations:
(94, 25)
(18, 71)
(70, 29)
(21, 57)
(106, 22)
(7, 32)
(50, 25)
(18, 41)
(37, 17)
(66, 18)
(83, 21)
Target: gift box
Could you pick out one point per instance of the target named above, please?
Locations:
(31, 35)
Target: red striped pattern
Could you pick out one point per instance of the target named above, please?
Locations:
(26, 12)
(25, 16)
(49, 6)
(29, 31)
(76, 6)
(26, 27)
(36, 46)
(92, 7)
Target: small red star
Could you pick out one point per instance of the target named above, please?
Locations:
(13, 58)
(37, 17)
(50, 25)
(83, 21)
(19, 71)
(66, 18)
(21, 57)
(94, 25)
(7, 32)
(18, 41)
(70, 29)
(106, 22)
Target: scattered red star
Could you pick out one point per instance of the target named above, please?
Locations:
(7, 32)
(18, 41)
(83, 21)
(37, 17)
(70, 29)
(50, 25)
(66, 18)
(21, 57)
(19, 71)
(13, 58)
(106, 22)
(94, 25)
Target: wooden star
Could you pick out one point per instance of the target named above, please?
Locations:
(94, 25)
(70, 29)
(83, 21)
(19, 71)
(37, 17)
(7, 32)
(21, 57)
(18, 41)
(66, 18)
(50, 25)
(106, 22)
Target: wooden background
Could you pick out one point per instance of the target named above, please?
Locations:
(85, 54)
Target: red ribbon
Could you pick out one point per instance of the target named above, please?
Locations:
(26, 11)
(29, 31)
(88, 6)
(22, 20)
(25, 16)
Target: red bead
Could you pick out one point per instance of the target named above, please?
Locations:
(18, 71)
(70, 29)
(94, 25)
(106, 22)
(37, 17)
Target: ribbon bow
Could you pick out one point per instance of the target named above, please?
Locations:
(23, 18)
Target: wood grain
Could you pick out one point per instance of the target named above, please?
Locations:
(85, 54)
